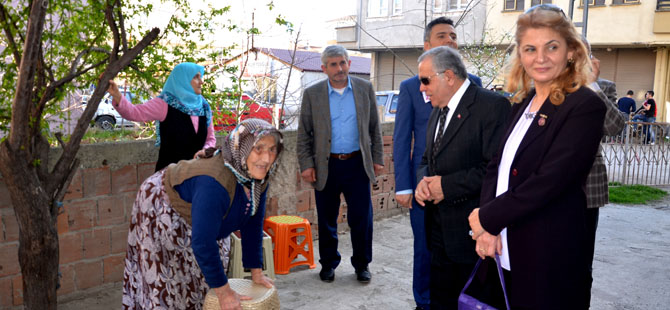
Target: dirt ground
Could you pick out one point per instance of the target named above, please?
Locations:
(631, 268)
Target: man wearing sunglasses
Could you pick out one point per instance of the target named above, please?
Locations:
(410, 125)
(463, 133)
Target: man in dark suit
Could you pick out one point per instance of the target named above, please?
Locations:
(410, 129)
(340, 151)
(463, 133)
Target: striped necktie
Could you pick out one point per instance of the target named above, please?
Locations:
(442, 119)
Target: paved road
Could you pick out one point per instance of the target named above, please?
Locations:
(632, 268)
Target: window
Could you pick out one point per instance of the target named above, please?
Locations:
(266, 89)
(377, 8)
(397, 7)
(663, 5)
(593, 3)
(625, 1)
(458, 4)
(437, 5)
(536, 2)
(513, 5)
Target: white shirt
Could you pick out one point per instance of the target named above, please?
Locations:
(511, 146)
(453, 104)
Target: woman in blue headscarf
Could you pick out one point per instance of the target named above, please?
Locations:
(183, 117)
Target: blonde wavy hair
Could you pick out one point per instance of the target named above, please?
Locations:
(576, 73)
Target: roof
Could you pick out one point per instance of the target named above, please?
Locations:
(311, 61)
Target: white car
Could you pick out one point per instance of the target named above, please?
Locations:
(387, 104)
(106, 117)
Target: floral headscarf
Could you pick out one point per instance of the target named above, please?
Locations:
(179, 94)
(236, 149)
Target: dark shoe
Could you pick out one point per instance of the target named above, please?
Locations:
(363, 276)
(327, 274)
(419, 308)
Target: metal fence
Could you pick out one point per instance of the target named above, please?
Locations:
(639, 155)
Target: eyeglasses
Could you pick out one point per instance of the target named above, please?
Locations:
(426, 80)
(547, 7)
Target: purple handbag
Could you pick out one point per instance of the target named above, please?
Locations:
(467, 302)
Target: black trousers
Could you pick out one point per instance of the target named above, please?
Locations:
(345, 177)
(591, 217)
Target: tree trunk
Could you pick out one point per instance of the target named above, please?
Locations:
(38, 237)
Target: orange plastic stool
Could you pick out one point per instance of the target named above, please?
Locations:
(291, 235)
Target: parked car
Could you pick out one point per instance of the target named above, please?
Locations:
(106, 117)
(251, 109)
(387, 104)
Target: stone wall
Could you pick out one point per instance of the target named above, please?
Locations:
(93, 226)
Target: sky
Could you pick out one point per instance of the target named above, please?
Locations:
(308, 16)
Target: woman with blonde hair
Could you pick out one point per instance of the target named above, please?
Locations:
(532, 203)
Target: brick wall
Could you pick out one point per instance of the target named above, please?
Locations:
(93, 226)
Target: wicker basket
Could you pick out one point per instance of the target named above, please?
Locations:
(262, 298)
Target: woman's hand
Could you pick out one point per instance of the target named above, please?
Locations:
(229, 299)
(475, 225)
(488, 245)
(199, 154)
(114, 91)
(259, 278)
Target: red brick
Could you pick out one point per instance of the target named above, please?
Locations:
(96, 243)
(387, 140)
(5, 199)
(111, 211)
(96, 182)
(87, 274)
(75, 190)
(10, 225)
(61, 223)
(144, 171)
(388, 164)
(389, 184)
(9, 259)
(66, 280)
(81, 214)
(377, 188)
(113, 268)
(5, 292)
(124, 179)
(70, 248)
(17, 290)
(128, 201)
(119, 239)
(302, 203)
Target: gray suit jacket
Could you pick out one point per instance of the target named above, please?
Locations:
(597, 193)
(314, 129)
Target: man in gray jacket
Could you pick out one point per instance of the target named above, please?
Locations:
(340, 151)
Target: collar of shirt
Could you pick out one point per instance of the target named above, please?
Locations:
(456, 98)
(331, 89)
(453, 103)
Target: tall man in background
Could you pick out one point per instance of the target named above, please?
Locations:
(340, 151)
(410, 124)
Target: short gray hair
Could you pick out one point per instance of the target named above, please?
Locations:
(334, 51)
(446, 58)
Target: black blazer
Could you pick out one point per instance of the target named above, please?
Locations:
(469, 143)
(543, 208)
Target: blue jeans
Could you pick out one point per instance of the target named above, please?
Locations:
(648, 134)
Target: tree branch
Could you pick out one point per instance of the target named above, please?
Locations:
(122, 27)
(26, 75)
(63, 166)
(109, 15)
(8, 33)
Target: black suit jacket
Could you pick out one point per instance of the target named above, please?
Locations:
(469, 143)
(543, 208)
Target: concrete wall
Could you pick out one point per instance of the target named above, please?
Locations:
(93, 227)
